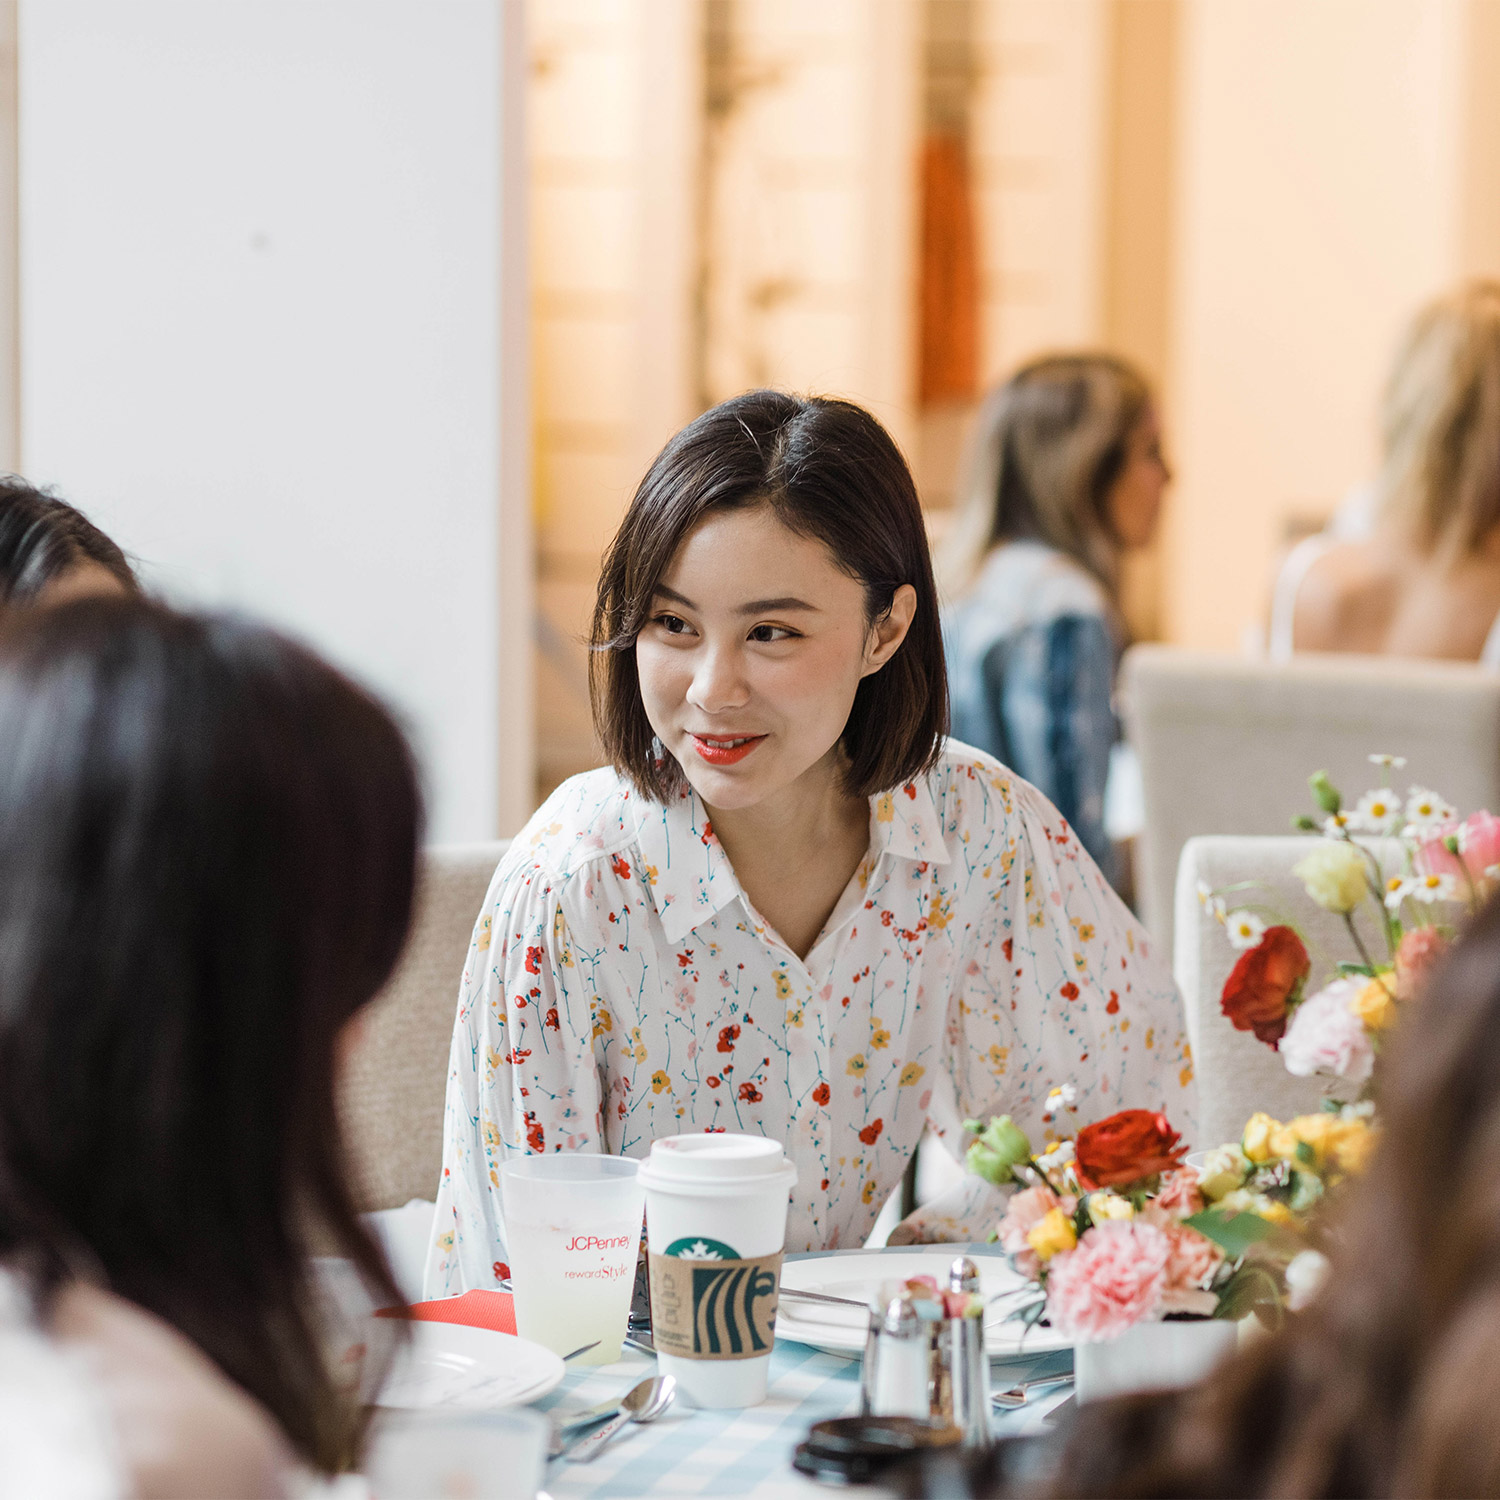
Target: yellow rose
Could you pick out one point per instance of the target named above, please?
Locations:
(1107, 1205)
(1312, 1131)
(1335, 875)
(1244, 1201)
(1350, 1145)
(1256, 1142)
(1224, 1169)
(1051, 1235)
(1375, 1005)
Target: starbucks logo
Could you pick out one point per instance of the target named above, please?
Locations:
(701, 1249)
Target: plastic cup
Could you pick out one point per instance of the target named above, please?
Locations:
(716, 1225)
(572, 1230)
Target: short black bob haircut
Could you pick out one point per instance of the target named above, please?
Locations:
(208, 843)
(42, 537)
(827, 470)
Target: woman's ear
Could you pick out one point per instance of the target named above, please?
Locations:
(887, 633)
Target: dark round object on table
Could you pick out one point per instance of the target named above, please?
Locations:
(854, 1450)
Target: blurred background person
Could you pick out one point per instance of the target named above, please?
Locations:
(1411, 566)
(207, 854)
(51, 552)
(1065, 474)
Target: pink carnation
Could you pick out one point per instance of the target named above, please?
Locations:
(1025, 1210)
(1325, 1036)
(1112, 1281)
(1179, 1195)
(1193, 1263)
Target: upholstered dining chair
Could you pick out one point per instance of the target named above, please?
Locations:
(1237, 1074)
(392, 1092)
(1226, 743)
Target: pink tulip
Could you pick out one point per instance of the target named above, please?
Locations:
(1479, 848)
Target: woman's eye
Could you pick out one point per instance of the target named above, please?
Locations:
(769, 633)
(672, 624)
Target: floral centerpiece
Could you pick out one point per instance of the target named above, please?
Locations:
(1112, 1229)
(1399, 923)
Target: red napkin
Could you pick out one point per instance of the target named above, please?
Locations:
(477, 1309)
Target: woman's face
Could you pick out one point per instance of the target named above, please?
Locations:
(1133, 504)
(751, 657)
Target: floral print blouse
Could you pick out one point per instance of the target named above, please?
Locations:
(620, 987)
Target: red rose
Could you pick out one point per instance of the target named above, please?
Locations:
(821, 1094)
(1260, 984)
(1133, 1144)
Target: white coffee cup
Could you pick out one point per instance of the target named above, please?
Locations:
(716, 1210)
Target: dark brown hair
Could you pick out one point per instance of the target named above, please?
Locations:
(1389, 1382)
(207, 854)
(827, 470)
(42, 537)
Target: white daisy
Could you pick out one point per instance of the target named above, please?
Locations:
(1376, 812)
(1388, 761)
(1059, 1156)
(1426, 888)
(1212, 904)
(1245, 929)
(1336, 825)
(1425, 811)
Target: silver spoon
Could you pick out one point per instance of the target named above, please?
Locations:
(1019, 1395)
(643, 1403)
(567, 1425)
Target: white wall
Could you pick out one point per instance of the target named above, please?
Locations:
(1319, 202)
(261, 331)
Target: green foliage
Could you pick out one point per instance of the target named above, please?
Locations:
(1252, 1289)
(1233, 1233)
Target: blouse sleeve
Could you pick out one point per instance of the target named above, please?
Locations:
(521, 1073)
(1061, 986)
(1051, 688)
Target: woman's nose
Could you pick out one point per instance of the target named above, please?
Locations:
(718, 683)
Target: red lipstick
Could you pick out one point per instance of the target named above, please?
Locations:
(725, 750)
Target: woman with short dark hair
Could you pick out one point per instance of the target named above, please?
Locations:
(789, 906)
(207, 852)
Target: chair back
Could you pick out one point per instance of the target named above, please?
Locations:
(1226, 743)
(1237, 1074)
(391, 1099)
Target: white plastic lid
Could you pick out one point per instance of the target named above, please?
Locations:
(722, 1161)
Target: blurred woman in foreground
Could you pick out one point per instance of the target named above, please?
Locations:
(1389, 1382)
(1421, 575)
(1066, 475)
(207, 851)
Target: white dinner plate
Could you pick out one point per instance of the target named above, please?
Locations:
(858, 1274)
(472, 1369)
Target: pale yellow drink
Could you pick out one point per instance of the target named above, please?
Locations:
(572, 1229)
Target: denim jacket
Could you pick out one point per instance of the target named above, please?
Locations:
(1031, 660)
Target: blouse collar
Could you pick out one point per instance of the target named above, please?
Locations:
(689, 874)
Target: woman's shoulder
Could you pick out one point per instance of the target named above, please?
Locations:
(1025, 584)
(588, 817)
(1345, 598)
(181, 1426)
(973, 792)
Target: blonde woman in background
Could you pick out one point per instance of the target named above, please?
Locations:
(1420, 575)
(1065, 474)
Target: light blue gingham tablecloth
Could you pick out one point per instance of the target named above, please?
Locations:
(744, 1453)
